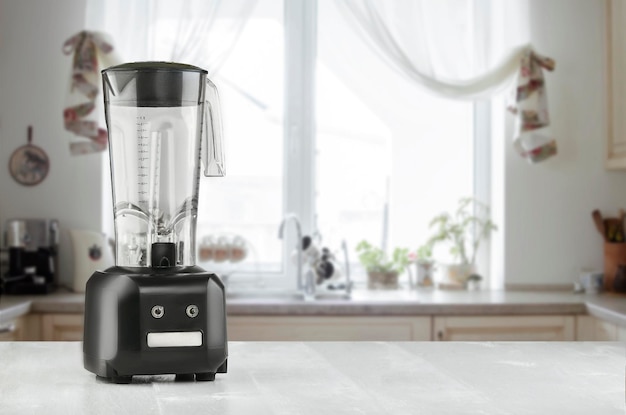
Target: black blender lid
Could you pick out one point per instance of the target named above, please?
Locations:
(156, 84)
(155, 66)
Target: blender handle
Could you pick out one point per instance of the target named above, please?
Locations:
(213, 152)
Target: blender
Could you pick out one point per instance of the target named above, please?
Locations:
(155, 311)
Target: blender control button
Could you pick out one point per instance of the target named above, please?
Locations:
(157, 311)
(192, 310)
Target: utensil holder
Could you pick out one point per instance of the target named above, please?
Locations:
(614, 255)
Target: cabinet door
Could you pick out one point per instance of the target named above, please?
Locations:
(605, 331)
(11, 331)
(590, 328)
(308, 328)
(24, 328)
(616, 85)
(496, 328)
(62, 327)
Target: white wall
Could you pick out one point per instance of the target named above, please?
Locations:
(549, 234)
(33, 83)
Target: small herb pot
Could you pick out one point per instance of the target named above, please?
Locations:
(382, 280)
(425, 273)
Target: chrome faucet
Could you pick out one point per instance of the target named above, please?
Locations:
(344, 248)
(294, 218)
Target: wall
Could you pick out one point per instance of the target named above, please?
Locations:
(33, 85)
(549, 232)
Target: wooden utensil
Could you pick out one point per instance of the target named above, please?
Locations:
(597, 220)
(614, 228)
(614, 256)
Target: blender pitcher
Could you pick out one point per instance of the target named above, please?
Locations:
(158, 115)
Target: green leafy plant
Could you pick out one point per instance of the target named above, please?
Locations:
(464, 229)
(374, 259)
(424, 253)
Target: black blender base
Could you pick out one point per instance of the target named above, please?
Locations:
(120, 320)
(125, 380)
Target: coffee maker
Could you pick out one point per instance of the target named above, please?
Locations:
(32, 246)
(156, 311)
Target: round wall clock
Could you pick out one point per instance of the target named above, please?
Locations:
(29, 164)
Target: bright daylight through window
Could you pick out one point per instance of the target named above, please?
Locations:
(386, 155)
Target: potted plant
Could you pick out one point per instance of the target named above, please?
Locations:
(425, 264)
(382, 272)
(464, 229)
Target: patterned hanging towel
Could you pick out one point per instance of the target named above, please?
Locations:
(89, 50)
(531, 109)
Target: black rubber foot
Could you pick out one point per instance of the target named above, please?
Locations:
(223, 368)
(121, 379)
(185, 377)
(207, 376)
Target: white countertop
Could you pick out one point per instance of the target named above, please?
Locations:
(333, 378)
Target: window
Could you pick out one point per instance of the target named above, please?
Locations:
(390, 156)
(248, 202)
(318, 125)
(382, 158)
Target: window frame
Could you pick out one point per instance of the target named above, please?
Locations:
(299, 135)
(300, 17)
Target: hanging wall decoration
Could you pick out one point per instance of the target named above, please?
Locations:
(29, 164)
(91, 52)
(530, 108)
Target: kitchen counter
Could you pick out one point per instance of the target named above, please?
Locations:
(414, 303)
(333, 378)
(609, 307)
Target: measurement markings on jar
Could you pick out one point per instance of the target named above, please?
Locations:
(143, 150)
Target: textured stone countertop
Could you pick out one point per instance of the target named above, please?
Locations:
(333, 378)
(610, 307)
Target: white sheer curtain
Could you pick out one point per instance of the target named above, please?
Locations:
(426, 42)
(197, 32)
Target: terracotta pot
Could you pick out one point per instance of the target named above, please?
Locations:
(382, 280)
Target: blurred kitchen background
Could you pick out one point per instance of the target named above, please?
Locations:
(324, 127)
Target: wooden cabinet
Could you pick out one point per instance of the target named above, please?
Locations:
(498, 328)
(616, 84)
(62, 327)
(327, 328)
(23, 328)
(12, 331)
(589, 328)
(69, 327)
